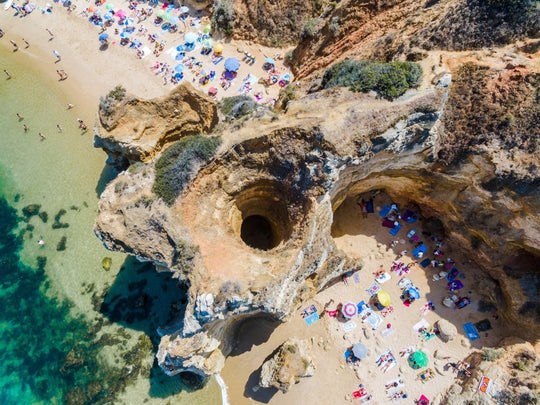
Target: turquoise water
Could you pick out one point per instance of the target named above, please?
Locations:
(71, 332)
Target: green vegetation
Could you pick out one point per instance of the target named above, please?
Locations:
(490, 354)
(178, 163)
(107, 103)
(237, 106)
(512, 5)
(389, 80)
(311, 27)
(223, 17)
(285, 95)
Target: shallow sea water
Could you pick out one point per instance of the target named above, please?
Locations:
(71, 333)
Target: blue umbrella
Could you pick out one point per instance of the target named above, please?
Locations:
(174, 19)
(180, 48)
(286, 77)
(180, 56)
(269, 61)
(232, 64)
(179, 68)
(125, 34)
(190, 37)
(413, 293)
(184, 9)
(103, 37)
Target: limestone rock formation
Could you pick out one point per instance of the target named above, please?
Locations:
(447, 330)
(136, 129)
(285, 368)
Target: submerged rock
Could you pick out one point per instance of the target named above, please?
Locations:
(106, 263)
(31, 210)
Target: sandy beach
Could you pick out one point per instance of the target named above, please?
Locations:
(334, 380)
(93, 72)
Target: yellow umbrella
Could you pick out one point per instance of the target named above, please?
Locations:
(218, 48)
(383, 298)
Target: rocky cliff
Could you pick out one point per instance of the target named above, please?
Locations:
(136, 129)
(251, 234)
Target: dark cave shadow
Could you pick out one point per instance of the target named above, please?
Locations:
(253, 331)
(263, 395)
(108, 173)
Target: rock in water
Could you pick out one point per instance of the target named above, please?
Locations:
(290, 363)
(106, 263)
(447, 331)
(31, 210)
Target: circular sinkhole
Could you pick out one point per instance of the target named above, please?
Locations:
(257, 232)
(261, 217)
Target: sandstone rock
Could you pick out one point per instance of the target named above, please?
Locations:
(445, 80)
(447, 330)
(465, 343)
(138, 129)
(290, 363)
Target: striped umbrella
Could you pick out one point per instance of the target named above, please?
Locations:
(349, 310)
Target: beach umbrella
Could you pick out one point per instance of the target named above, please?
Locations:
(212, 91)
(218, 49)
(129, 21)
(166, 16)
(383, 298)
(270, 61)
(121, 14)
(359, 350)
(207, 42)
(125, 34)
(184, 10)
(107, 16)
(418, 359)
(413, 293)
(349, 310)
(161, 13)
(285, 77)
(91, 9)
(190, 37)
(232, 64)
(207, 29)
(179, 68)
(108, 6)
(103, 37)
(174, 19)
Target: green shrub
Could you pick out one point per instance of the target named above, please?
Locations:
(178, 163)
(490, 354)
(237, 106)
(107, 103)
(118, 93)
(389, 80)
(311, 27)
(285, 95)
(223, 17)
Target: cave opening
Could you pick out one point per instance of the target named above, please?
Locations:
(257, 232)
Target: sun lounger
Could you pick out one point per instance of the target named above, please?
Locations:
(384, 211)
(394, 231)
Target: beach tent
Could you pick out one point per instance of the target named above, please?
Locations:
(232, 64)
(359, 350)
(190, 37)
(418, 359)
(383, 298)
(349, 310)
(218, 49)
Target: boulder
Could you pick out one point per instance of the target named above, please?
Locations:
(290, 363)
(447, 331)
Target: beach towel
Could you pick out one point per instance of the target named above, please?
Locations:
(404, 283)
(359, 393)
(356, 277)
(422, 324)
(373, 289)
(410, 216)
(146, 51)
(332, 314)
(384, 211)
(485, 384)
(452, 274)
(426, 375)
(362, 306)
(395, 230)
(422, 248)
(347, 327)
(392, 385)
(388, 224)
(471, 331)
(423, 400)
(483, 325)
(411, 233)
(217, 60)
(383, 278)
(424, 263)
(311, 319)
(387, 332)
(369, 206)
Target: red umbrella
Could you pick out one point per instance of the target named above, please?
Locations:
(212, 91)
(349, 310)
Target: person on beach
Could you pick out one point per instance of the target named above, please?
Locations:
(57, 55)
(41, 242)
(1, 32)
(7, 74)
(26, 43)
(59, 127)
(50, 33)
(15, 46)
(70, 106)
(20, 117)
(41, 135)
